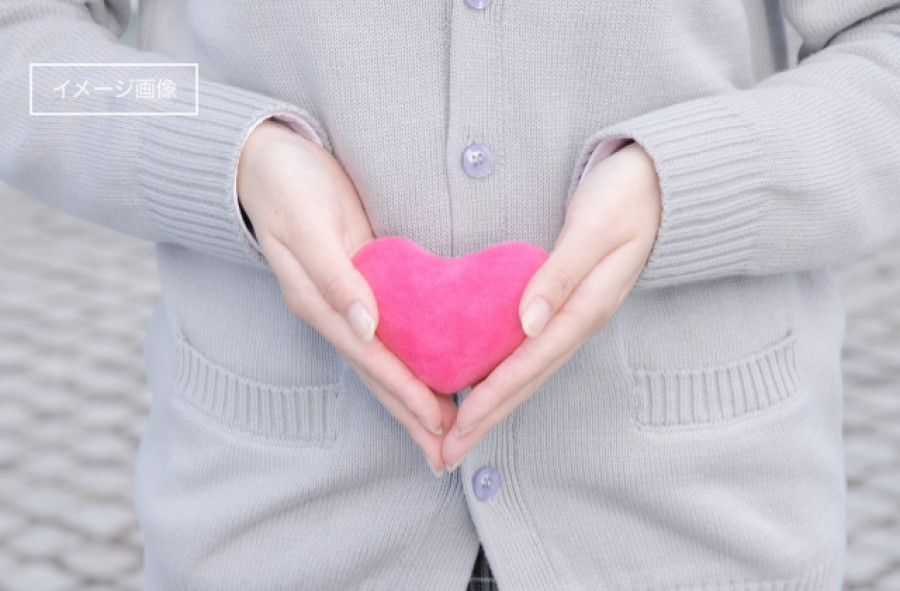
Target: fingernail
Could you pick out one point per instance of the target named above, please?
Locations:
(463, 431)
(452, 467)
(430, 427)
(535, 317)
(437, 473)
(361, 322)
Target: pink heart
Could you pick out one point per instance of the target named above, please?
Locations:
(450, 320)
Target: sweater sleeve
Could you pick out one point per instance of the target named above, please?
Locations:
(798, 172)
(160, 178)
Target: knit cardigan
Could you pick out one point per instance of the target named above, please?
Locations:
(693, 443)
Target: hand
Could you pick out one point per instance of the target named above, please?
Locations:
(609, 231)
(309, 222)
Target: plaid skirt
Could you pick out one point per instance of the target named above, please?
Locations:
(482, 578)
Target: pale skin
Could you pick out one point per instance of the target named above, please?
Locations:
(309, 222)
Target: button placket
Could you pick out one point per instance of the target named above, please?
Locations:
(474, 126)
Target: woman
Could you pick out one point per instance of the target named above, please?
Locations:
(673, 420)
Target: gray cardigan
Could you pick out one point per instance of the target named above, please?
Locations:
(695, 442)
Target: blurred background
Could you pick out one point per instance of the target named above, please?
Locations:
(74, 302)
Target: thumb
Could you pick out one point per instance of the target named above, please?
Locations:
(325, 259)
(577, 251)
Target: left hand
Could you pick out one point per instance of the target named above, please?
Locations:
(609, 231)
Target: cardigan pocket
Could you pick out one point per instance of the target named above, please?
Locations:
(301, 415)
(711, 396)
(710, 354)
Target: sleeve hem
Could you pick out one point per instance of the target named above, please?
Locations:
(187, 168)
(707, 160)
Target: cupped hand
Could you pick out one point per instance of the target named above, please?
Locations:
(308, 220)
(609, 231)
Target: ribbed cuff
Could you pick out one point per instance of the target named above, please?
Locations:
(187, 168)
(709, 168)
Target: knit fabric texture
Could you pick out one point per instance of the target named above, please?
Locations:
(693, 443)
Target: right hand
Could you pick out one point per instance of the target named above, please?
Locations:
(309, 222)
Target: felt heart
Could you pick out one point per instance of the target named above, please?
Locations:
(450, 320)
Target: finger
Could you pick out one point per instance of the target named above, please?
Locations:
(586, 311)
(322, 228)
(448, 412)
(496, 395)
(584, 240)
(372, 357)
(395, 378)
(428, 442)
(457, 445)
(522, 373)
(322, 252)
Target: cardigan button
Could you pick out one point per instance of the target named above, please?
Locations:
(477, 160)
(486, 483)
(479, 3)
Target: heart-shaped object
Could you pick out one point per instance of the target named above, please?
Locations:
(450, 320)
